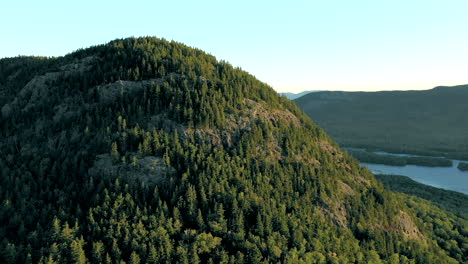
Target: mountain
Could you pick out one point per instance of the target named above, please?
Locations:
(292, 96)
(429, 122)
(147, 151)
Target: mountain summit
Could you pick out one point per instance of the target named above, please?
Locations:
(148, 151)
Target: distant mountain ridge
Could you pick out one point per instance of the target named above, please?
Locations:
(292, 96)
(430, 122)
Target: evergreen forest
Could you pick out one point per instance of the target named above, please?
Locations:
(143, 150)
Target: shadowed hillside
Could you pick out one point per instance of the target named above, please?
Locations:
(430, 122)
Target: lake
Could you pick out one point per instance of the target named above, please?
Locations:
(450, 178)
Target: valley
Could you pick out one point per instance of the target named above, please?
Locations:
(454, 202)
(434, 171)
(426, 123)
(419, 134)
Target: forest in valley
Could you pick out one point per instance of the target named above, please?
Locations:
(393, 160)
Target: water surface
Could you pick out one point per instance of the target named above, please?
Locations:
(450, 178)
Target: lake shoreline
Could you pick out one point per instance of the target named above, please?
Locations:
(398, 159)
(448, 178)
(415, 153)
(453, 201)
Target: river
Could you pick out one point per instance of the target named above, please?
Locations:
(449, 178)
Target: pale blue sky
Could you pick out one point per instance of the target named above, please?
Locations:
(291, 45)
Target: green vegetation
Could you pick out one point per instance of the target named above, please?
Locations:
(426, 123)
(454, 202)
(392, 160)
(369, 157)
(451, 230)
(463, 166)
(148, 151)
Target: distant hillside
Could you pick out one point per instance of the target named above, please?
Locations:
(427, 122)
(452, 201)
(292, 96)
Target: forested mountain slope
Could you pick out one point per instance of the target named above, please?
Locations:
(430, 122)
(148, 151)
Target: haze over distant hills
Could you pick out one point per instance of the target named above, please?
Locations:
(292, 96)
(431, 121)
(148, 151)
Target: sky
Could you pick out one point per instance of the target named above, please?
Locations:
(291, 45)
